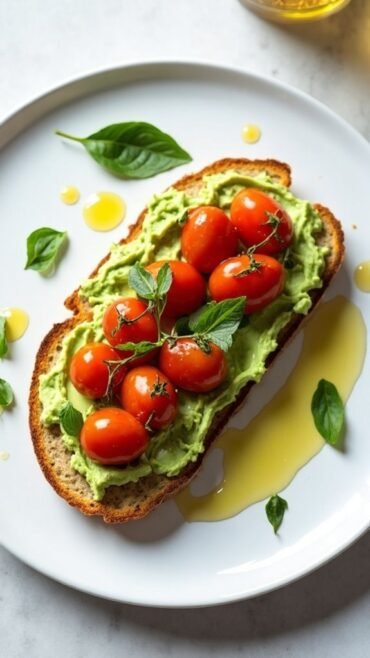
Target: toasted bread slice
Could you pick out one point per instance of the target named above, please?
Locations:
(136, 500)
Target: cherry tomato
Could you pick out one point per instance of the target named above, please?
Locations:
(88, 372)
(259, 277)
(207, 238)
(256, 215)
(113, 436)
(149, 396)
(192, 369)
(188, 288)
(128, 320)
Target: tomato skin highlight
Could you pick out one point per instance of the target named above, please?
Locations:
(250, 212)
(117, 332)
(207, 238)
(261, 286)
(190, 368)
(88, 372)
(188, 289)
(112, 436)
(139, 399)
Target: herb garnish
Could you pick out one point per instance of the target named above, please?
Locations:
(275, 510)
(6, 394)
(43, 248)
(328, 411)
(3, 340)
(134, 149)
(71, 420)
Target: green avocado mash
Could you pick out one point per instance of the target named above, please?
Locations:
(172, 449)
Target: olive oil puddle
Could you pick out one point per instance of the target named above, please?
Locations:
(251, 133)
(17, 322)
(69, 195)
(104, 211)
(262, 458)
(362, 276)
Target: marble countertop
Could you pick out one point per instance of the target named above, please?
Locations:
(44, 43)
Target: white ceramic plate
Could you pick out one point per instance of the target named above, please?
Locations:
(162, 560)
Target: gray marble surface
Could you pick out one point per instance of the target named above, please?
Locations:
(42, 43)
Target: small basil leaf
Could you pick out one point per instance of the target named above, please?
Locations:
(275, 510)
(43, 247)
(164, 280)
(71, 420)
(3, 340)
(6, 394)
(138, 348)
(134, 149)
(328, 411)
(142, 282)
(182, 326)
(218, 322)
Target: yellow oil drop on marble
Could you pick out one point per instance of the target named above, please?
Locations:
(251, 133)
(17, 322)
(262, 458)
(69, 195)
(103, 211)
(362, 276)
(4, 456)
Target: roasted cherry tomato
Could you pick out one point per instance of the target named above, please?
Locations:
(188, 288)
(128, 320)
(113, 436)
(259, 277)
(256, 216)
(190, 367)
(207, 238)
(149, 395)
(88, 372)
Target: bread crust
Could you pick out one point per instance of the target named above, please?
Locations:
(136, 500)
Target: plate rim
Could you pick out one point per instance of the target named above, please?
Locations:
(36, 103)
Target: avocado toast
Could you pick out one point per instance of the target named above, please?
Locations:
(174, 457)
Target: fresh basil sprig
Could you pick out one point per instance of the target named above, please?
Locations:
(328, 411)
(217, 322)
(275, 510)
(139, 348)
(3, 340)
(43, 248)
(134, 149)
(6, 394)
(146, 286)
(71, 420)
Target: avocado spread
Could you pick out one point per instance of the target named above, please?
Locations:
(173, 448)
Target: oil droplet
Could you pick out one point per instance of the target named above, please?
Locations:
(251, 133)
(362, 276)
(69, 195)
(4, 456)
(262, 458)
(17, 322)
(104, 211)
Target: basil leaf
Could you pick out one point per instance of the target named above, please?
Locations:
(3, 340)
(218, 322)
(134, 149)
(142, 282)
(71, 420)
(182, 326)
(328, 411)
(6, 394)
(43, 247)
(275, 510)
(164, 280)
(139, 348)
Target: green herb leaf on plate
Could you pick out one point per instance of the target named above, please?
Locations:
(275, 510)
(218, 322)
(164, 280)
(71, 420)
(6, 394)
(43, 248)
(133, 149)
(3, 340)
(328, 411)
